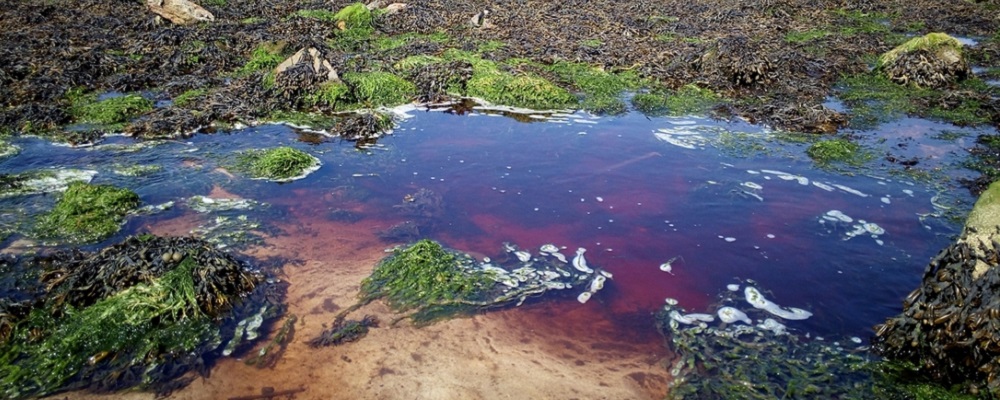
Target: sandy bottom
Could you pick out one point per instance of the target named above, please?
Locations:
(547, 350)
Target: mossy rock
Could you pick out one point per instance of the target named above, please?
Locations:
(932, 60)
(985, 215)
(87, 213)
(280, 164)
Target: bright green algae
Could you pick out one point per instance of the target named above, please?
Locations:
(87, 213)
(827, 152)
(427, 278)
(110, 113)
(145, 320)
(281, 163)
(137, 314)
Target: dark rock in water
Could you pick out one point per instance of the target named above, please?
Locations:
(344, 331)
(406, 231)
(343, 215)
(933, 60)
(424, 203)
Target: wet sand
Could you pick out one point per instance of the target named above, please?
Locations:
(545, 350)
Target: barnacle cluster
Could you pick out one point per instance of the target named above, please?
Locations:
(950, 325)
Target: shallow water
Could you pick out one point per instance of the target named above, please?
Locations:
(634, 191)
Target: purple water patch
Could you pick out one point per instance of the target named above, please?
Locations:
(634, 192)
(635, 201)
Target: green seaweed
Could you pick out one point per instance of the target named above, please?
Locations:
(873, 99)
(519, 89)
(110, 112)
(389, 43)
(855, 22)
(355, 16)
(141, 322)
(602, 89)
(738, 361)
(264, 57)
(427, 278)
(313, 120)
(688, 99)
(603, 105)
(354, 27)
(379, 88)
(806, 36)
(185, 98)
(279, 163)
(826, 152)
(329, 94)
(321, 15)
(87, 213)
(412, 63)
(492, 45)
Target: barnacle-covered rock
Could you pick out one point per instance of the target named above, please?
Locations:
(950, 324)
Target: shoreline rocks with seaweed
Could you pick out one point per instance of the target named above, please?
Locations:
(137, 314)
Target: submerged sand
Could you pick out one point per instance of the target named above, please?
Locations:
(555, 349)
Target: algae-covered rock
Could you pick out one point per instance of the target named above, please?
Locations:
(87, 213)
(932, 60)
(138, 314)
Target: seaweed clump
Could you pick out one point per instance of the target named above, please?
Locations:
(88, 213)
(427, 278)
(426, 282)
(137, 314)
(364, 128)
(280, 164)
(826, 152)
